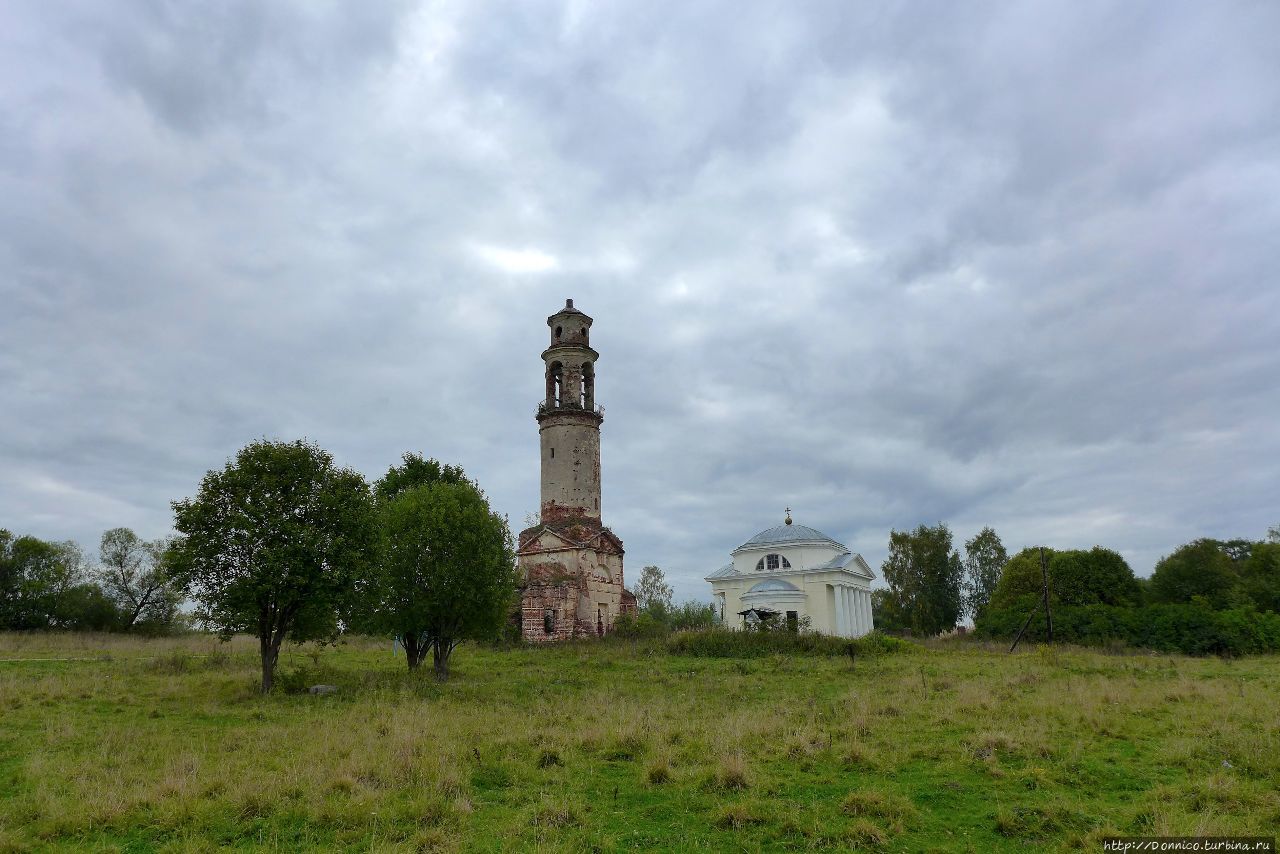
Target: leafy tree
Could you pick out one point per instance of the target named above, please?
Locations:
(885, 613)
(1098, 576)
(984, 560)
(1273, 534)
(1199, 568)
(1076, 577)
(692, 615)
(1260, 576)
(925, 578)
(653, 594)
(1020, 583)
(87, 608)
(447, 572)
(416, 471)
(136, 575)
(1238, 550)
(273, 545)
(35, 576)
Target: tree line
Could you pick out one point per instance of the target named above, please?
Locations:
(283, 544)
(53, 585)
(1220, 596)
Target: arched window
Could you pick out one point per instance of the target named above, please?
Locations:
(588, 398)
(558, 331)
(555, 378)
(774, 561)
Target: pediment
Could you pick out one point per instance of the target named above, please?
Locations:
(546, 538)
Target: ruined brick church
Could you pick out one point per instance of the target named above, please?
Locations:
(570, 564)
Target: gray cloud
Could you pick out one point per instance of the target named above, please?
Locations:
(886, 264)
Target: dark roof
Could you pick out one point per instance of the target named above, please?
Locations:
(568, 309)
(788, 534)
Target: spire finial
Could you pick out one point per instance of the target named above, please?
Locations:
(568, 303)
(788, 519)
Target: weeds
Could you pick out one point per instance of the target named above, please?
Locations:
(609, 746)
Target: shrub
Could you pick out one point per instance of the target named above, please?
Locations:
(726, 643)
(1191, 629)
(1199, 568)
(635, 627)
(1076, 577)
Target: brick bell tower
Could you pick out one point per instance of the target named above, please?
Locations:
(571, 565)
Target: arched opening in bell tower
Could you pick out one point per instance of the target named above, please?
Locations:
(555, 383)
(588, 386)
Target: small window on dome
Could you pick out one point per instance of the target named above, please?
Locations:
(760, 565)
(786, 564)
(771, 561)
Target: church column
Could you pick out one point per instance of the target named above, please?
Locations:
(841, 614)
(851, 620)
(867, 623)
(855, 607)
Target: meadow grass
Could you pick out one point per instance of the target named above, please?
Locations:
(164, 745)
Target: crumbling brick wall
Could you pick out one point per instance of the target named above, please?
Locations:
(544, 606)
(572, 580)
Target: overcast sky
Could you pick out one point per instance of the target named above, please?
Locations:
(989, 264)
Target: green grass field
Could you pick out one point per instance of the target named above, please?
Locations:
(163, 745)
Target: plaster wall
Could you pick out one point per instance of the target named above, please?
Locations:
(819, 602)
(570, 449)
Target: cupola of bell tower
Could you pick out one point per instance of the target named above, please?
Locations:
(570, 363)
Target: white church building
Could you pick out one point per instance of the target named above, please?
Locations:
(790, 572)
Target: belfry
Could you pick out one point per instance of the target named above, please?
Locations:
(570, 564)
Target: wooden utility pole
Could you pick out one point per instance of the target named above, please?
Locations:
(1018, 637)
(1044, 600)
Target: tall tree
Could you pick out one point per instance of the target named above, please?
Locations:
(984, 560)
(447, 572)
(925, 578)
(653, 594)
(413, 471)
(1098, 576)
(274, 543)
(1201, 568)
(35, 577)
(136, 575)
(1261, 576)
(885, 613)
(1076, 577)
